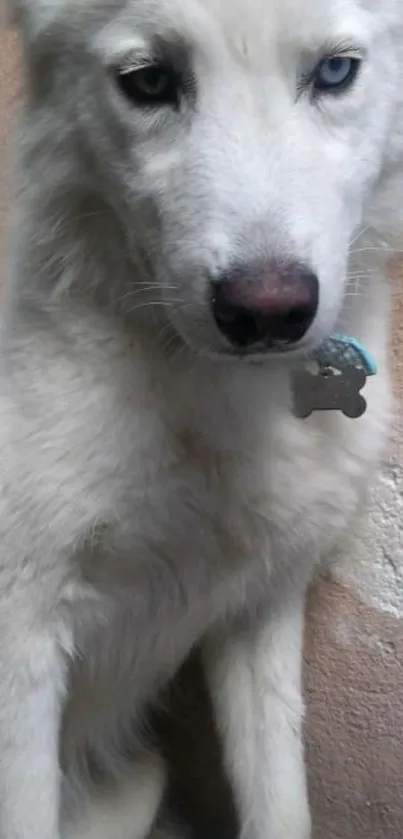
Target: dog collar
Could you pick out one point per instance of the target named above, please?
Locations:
(341, 351)
(342, 367)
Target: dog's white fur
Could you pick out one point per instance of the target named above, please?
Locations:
(155, 493)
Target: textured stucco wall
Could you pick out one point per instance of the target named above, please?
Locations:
(354, 658)
(354, 639)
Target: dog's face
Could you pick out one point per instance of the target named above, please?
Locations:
(239, 142)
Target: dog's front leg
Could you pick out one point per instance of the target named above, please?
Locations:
(31, 679)
(254, 672)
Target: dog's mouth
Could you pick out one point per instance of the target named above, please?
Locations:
(174, 339)
(260, 354)
(257, 355)
(201, 336)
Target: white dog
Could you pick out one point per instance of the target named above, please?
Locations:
(204, 190)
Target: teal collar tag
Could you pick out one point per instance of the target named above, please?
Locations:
(340, 351)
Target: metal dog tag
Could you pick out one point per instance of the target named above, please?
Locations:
(327, 390)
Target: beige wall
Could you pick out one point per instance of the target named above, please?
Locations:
(354, 658)
(354, 649)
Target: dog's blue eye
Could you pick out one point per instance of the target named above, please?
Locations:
(335, 74)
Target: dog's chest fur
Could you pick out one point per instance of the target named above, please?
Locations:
(183, 493)
(210, 497)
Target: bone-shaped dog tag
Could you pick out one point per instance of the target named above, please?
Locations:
(329, 391)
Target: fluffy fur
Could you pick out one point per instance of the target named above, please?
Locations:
(155, 492)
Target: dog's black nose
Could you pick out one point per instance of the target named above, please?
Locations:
(271, 305)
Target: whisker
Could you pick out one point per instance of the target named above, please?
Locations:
(375, 248)
(153, 284)
(172, 340)
(358, 235)
(137, 292)
(367, 272)
(148, 303)
(148, 287)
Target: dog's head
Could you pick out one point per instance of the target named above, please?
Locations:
(241, 144)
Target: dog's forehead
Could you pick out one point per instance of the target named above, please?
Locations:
(253, 29)
(271, 19)
(257, 32)
(276, 16)
(261, 24)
